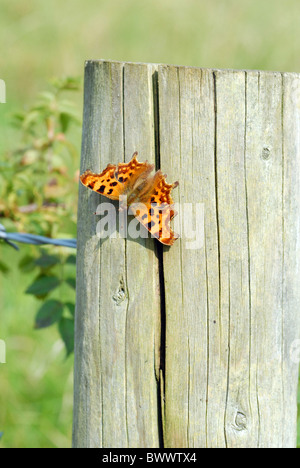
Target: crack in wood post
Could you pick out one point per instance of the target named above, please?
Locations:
(159, 253)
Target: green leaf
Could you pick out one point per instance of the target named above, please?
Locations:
(43, 285)
(3, 267)
(66, 330)
(71, 308)
(46, 96)
(65, 120)
(50, 312)
(31, 118)
(27, 263)
(71, 260)
(67, 83)
(17, 119)
(71, 282)
(46, 261)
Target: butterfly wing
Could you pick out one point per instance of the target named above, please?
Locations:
(156, 208)
(118, 180)
(156, 218)
(104, 183)
(134, 172)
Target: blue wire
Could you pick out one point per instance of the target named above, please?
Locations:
(33, 239)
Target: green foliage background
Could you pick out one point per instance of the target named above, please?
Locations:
(40, 40)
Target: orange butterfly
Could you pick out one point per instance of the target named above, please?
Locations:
(148, 197)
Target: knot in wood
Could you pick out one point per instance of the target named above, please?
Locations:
(120, 294)
(266, 153)
(240, 422)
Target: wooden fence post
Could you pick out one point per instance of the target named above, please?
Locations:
(192, 346)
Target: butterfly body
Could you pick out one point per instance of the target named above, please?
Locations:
(147, 197)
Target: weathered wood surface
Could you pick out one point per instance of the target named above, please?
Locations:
(187, 347)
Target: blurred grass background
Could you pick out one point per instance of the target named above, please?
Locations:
(40, 40)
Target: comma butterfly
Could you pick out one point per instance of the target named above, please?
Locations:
(148, 197)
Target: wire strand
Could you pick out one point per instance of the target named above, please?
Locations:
(24, 238)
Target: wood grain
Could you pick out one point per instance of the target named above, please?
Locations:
(192, 347)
